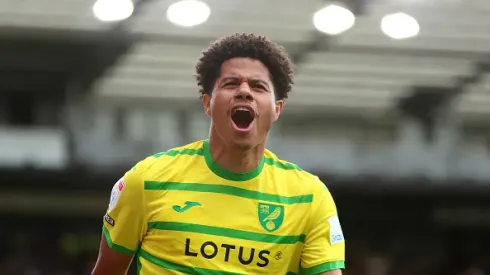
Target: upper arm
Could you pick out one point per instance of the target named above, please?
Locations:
(109, 261)
(324, 249)
(124, 226)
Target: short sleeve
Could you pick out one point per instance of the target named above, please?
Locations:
(324, 248)
(125, 219)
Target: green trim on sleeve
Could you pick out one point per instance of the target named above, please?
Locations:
(116, 247)
(138, 265)
(326, 267)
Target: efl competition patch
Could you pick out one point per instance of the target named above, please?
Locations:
(336, 235)
(116, 193)
(108, 219)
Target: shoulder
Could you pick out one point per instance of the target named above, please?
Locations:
(155, 165)
(191, 149)
(289, 170)
(158, 162)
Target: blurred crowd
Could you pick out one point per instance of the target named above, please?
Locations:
(378, 242)
(42, 256)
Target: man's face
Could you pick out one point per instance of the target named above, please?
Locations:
(243, 106)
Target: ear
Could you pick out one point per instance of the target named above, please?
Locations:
(206, 104)
(278, 109)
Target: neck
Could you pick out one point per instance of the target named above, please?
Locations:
(233, 158)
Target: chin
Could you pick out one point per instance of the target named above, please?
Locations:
(243, 145)
(247, 142)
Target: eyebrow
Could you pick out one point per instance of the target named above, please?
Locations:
(254, 80)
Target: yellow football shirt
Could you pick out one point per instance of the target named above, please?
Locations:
(181, 213)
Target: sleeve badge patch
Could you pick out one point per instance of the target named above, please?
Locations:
(116, 193)
(336, 235)
(108, 219)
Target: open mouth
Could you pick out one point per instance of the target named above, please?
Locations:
(242, 117)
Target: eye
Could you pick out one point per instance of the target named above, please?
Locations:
(259, 86)
(230, 84)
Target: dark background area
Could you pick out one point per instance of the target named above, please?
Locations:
(59, 157)
(412, 230)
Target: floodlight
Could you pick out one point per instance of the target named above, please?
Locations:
(188, 13)
(113, 10)
(400, 25)
(333, 19)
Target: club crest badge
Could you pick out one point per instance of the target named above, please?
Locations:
(270, 216)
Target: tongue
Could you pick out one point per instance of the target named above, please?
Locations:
(242, 125)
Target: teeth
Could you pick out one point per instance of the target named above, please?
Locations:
(240, 109)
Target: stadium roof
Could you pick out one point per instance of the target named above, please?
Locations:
(361, 69)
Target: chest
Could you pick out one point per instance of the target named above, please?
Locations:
(228, 207)
(226, 225)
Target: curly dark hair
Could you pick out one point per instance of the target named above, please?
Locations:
(272, 55)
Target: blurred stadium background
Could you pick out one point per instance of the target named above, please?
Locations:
(393, 116)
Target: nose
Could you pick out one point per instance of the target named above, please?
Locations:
(244, 93)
